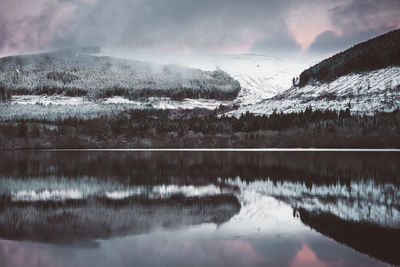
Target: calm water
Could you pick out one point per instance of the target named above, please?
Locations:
(199, 208)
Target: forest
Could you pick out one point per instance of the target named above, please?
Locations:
(166, 128)
(66, 73)
(380, 52)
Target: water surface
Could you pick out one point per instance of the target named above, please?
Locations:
(191, 208)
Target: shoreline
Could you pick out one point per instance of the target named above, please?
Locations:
(312, 149)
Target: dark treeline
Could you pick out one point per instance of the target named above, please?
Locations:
(194, 168)
(377, 53)
(136, 122)
(174, 94)
(197, 128)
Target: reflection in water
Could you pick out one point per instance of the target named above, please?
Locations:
(362, 215)
(306, 257)
(199, 208)
(358, 201)
(72, 214)
(377, 241)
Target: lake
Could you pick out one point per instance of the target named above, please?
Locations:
(199, 208)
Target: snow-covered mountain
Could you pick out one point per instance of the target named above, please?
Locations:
(260, 77)
(267, 85)
(364, 78)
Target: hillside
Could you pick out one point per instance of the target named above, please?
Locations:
(380, 52)
(367, 93)
(77, 73)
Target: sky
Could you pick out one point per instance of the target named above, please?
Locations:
(273, 27)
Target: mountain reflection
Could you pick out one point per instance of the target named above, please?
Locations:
(358, 201)
(362, 215)
(77, 216)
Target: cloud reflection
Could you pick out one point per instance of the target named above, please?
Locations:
(148, 251)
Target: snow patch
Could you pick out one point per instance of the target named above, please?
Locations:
(46, 195)
(73, 190)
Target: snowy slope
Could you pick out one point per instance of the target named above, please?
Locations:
(377, 90)
(260, 76)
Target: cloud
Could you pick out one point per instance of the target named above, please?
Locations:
(280, 44)
(362, 15)
(186, 26)
(357, 21)
(178, 25)
(33, 26)
(149, 25)
(330, 41)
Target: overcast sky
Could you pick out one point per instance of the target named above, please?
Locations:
(273, 27)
